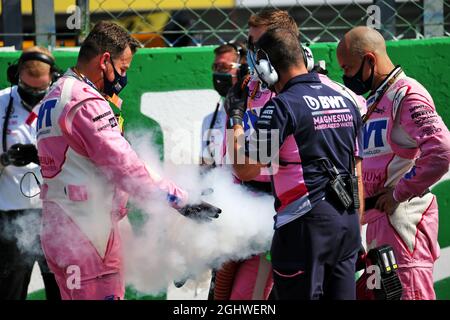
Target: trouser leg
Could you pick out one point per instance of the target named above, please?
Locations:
(16, 261)
(312, 256)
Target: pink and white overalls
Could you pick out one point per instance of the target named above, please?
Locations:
(253, 277)
(88, 169)
(407, 147)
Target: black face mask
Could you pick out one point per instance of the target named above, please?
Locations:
(114, 87)
(30, 98)
(222, 83)
(356, 83)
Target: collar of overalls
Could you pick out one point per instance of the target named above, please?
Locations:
(310, 77)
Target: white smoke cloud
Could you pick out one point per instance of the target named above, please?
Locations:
(24, 229)
(173, 247)
(169, 246)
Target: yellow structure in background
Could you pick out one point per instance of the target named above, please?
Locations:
(99, 6)
(145, 27)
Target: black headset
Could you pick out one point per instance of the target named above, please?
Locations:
(13, 69)
(240, 50)
(12, 74)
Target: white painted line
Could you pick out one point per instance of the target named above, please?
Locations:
(442, 265)
(36, 282)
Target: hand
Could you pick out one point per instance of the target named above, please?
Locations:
(23, 154)
(386, 202)
(201, 211)
(236, 99)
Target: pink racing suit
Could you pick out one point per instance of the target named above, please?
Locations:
(407, 147)
(88, 169)
(253, 278)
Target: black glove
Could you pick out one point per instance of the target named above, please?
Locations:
(201, 211)
(236, 100)
(23, 154)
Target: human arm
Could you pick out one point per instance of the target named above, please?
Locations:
(419, 119)
(360, 188)
(92, 131)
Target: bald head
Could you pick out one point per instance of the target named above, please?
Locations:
(361, 40)
(363, 57)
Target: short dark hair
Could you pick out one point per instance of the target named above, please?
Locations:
(106, 37)
(282, 47)
(232, 47)
(274, 18)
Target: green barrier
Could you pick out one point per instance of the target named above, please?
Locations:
(130, 294)
(169, 69)
(443, 196)
(442, 289)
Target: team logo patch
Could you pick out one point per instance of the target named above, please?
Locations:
(45, 114)
(113, 122)
(375, 137)
(324, 102)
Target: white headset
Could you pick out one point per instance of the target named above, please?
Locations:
(267, 73)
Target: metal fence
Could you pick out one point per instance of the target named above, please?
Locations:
(205, 22)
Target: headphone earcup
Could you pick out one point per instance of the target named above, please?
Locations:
(308, 58)
(243, 71)
(266, 72)
(12, 73)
